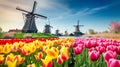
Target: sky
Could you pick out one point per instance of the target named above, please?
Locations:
(62, 14)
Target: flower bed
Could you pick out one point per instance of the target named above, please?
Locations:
(55, 52)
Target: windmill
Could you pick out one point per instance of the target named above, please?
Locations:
(30, 26)
(77, 30)
(47, 28)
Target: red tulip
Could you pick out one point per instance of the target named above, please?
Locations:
(94, 55)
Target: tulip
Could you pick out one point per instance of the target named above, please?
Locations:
(1, 59)
(59, 60)
(19, 59)
(7, 48)
(14, 47)
(1, 48)
(100, 49)
(109, 55)
(11, 61)
(113, 63)
(118, 50)
(74, 44)
(47, 62)
(111, 47)
(39, 56)
(64, 53)
(88, 44)
(94, 55)
(31, 65)
(77, 50)
(53, 52)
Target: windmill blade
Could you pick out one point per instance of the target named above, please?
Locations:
(22, 10)
(41, 16)
(34, 6)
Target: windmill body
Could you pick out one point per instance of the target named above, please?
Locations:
(47, 29)
(30, 26)
(77, 30)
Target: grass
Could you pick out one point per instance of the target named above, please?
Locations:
(42, 35)
(19, 35)
(1, 35)
(34, 35)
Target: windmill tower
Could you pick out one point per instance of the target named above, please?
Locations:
(57, 33)
(77, 30)
(30, 26)
(47, 28)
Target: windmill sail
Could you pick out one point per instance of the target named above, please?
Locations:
(30, 26)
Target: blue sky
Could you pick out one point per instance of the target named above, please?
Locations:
(63, 14)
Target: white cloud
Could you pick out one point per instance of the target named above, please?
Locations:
(11, 18)
(88, 11)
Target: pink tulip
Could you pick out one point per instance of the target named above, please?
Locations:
(100, 49)
(81, 45)
(118, 50)
(77, 50)
(113, 63)
(94, 43)
(74, 44)
(111, 47)
(94, 55)
(109, 55)
(88, 44)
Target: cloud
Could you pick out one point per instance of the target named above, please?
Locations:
(88, 11)
(11, 18)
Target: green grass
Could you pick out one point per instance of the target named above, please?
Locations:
(19, 35)
(34, 35)
(42, 35)
(1, 35)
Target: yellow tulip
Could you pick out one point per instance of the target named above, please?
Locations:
(14, 47)
(10, 60)
(39, 56)
(64, 53)
(53, 52)
(1, 59)
(31, 65)
(1, 48)
(19, 59)
(7, 48)
(47, 62)
(12, 64)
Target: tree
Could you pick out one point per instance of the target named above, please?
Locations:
(115, 27)
(91, 31)
(0, 30)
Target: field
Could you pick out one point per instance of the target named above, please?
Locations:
(60, 52)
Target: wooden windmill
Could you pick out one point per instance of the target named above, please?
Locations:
(77, 30)
(47, 28)
(30, 26)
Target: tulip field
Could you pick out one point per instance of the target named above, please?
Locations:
(60, 52)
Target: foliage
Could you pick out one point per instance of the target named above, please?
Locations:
(0, 29)
(115, 27)
(91, 31)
